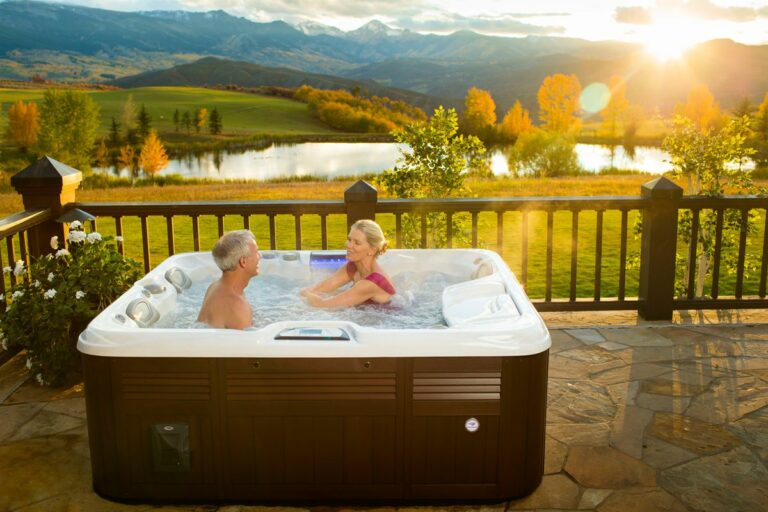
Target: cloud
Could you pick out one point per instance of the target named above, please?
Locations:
(498, 24)
(701, 9)
(287, 9)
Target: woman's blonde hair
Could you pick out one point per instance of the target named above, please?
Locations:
(373, 234)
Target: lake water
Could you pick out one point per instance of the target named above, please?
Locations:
(334, 159)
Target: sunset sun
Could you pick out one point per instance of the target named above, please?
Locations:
(670, 38)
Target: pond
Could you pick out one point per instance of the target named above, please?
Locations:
(335, 159)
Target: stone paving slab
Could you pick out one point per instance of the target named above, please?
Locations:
(653, 416)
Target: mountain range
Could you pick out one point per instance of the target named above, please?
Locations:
(65, 42)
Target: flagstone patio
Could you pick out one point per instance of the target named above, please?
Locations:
(642, 416)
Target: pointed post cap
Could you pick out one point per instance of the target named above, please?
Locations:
(361, 192)
(47, 183)
(661, 188)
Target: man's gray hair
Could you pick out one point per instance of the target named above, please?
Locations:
(231, 247)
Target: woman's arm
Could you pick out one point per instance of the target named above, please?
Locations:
(332, 282)
(359, 293)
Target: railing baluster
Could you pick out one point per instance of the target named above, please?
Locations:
(423, 230)
(764, 266)
(170, 234)
(524, 251)
(11, 258)
(2, 285)
(297, 227)
(272, 232)
(692, 253)
(246, 221)
(623, 256)
(500, 233)
(398, 230)
(550, 223)
(324, 230)
(574, 251)
(449, 229)
(598, 255)
(196, 232)
(119, 233)
(94, 225)
(220, 225)
(718, 247)
(23, 248)
(742, 253)
(145, 242)
(474, 229)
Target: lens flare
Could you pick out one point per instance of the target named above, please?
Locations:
(595, 97)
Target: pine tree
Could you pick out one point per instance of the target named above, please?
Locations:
(114, 133)
(145, 122)
(153, 158)
(176, 119)
(214, 122)
(186, 121)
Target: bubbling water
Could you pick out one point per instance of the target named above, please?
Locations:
(274, 298)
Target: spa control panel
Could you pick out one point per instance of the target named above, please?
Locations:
(313, 334)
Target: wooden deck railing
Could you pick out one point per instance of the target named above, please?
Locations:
(558, 224)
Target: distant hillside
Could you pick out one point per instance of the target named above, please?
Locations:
(65, 42)
(212, 71)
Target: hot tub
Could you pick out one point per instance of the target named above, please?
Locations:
(309, 410)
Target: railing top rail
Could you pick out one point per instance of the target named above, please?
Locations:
(20, 221)
(214, 207)
(727, 201)
(511, 203)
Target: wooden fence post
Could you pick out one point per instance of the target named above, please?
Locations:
(658, 247)
(46, 183)
(360, 200)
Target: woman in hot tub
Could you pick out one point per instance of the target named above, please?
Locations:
(371, 285)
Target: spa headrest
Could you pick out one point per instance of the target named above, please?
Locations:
(178, 278)
(142, 312)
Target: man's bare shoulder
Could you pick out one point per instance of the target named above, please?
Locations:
(224, 308)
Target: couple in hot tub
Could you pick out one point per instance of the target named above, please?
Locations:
(237, 255)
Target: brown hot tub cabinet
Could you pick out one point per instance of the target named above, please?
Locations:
(463, 428)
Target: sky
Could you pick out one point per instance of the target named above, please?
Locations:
(663, 23)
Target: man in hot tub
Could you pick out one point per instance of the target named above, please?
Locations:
(371, 285)
(225, 306)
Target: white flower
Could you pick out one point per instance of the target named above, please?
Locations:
(19, 268)
(29, 363)
(75, 224)
(51, 277)
(17, 294)
(36, 284)
(62, 252)
(49, 294)
(49, 256)
(7, 270)
(79, 294)
(4, 344)
(40, 380)
(119, 239)
(54, 242)
(76, 236)
(94, 237)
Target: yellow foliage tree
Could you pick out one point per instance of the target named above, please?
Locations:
(616, 110)
(153, 157)
(23, 124)
(558, 103)
(202, 119)
(516, 121)
(102, 154)
(701, 108)
(479, 112)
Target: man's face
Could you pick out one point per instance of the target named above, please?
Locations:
(253, 259)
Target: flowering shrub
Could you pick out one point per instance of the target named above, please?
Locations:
(54, 301)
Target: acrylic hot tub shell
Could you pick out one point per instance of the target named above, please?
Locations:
(427, 414)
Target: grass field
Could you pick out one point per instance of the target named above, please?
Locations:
(510, 250)
(242, 114)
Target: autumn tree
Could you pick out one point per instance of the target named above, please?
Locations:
(153, 158)
(759, 138)
(23, 124)
(128, 119)
(633, 120)
(615, 111)
(68, 124)
(516, 121)
(145, 122)
(479, 114)
(127, 160)
(559, 102)
(701, 108)
(102, 154)
(214, 122)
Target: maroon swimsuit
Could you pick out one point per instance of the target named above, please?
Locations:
(374, 277)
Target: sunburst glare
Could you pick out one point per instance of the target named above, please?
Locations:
(668, 38)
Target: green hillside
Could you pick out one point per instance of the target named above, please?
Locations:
(243, 114)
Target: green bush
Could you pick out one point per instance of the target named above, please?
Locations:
(53, 300)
